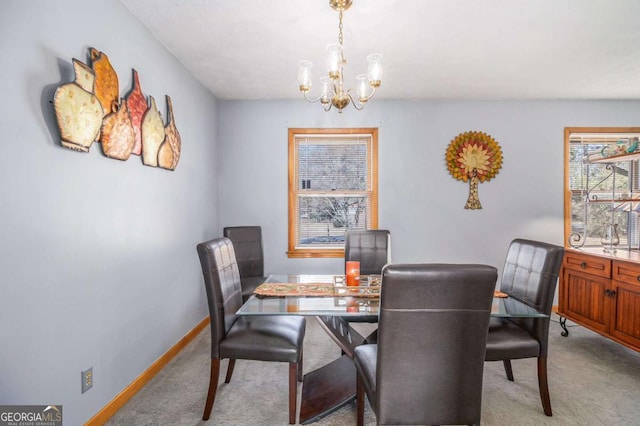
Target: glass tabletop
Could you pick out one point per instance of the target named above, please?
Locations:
(343, 305)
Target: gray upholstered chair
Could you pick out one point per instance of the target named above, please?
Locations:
(370, 247)
(263, 338)
(530, 276)
(247, 243)
(428, 363)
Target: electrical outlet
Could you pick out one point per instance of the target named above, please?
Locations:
(87, 379)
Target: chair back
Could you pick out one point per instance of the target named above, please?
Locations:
(432, 334)
(530, 275)
(369, 247)
(247, 242)
(222, 284)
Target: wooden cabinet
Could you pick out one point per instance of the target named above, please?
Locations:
(602, 293)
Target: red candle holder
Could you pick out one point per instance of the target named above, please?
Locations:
(352, 305)
(353, 273)
(292, 304)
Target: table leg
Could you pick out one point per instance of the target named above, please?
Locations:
(341, 333)
(327, 389)
(334, 385)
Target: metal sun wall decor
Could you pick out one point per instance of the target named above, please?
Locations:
(90, 109)
(473, 157)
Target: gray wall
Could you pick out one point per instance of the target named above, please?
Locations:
(419, 202)
(98, 265)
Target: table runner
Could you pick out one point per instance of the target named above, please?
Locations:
(315, 290)
(324, 290)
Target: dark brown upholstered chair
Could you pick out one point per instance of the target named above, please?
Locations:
(263, 338)
(369, 247)
(247, 243)
(428, 363)
(530, 275)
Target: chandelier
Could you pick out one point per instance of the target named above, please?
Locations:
(333, 92)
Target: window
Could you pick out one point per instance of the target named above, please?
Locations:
(333, 186)
(602, 186)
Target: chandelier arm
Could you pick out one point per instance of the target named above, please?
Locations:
(326, 106)
(372, 93)
(351, 92)
(307, 98)
(354, 103)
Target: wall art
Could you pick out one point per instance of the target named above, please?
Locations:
(473, 157)
(117, 135)
(78, 110)
(90, 109)
(152, 129)
(107, 89)
(137, 105)
(169, 154)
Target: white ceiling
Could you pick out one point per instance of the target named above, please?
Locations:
(432, 49)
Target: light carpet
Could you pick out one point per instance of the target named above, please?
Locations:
(593, 381)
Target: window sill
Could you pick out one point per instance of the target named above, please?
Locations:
(315, 253)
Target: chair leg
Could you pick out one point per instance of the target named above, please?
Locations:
(213, 387)
(543, 385)
(359, 401)
(300, 375)
(508, 370)
(293, 391)
(232, 363)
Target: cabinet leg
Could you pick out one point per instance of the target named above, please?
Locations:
(563, 324)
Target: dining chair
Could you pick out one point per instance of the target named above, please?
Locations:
(428, 363)
(530, 275)
(247, 243)
(262, 338)
(371, 247)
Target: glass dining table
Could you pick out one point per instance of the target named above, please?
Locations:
(335, 305)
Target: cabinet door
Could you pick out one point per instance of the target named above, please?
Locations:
(625, 318)
(584, 299)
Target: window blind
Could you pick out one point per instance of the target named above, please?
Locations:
(333, 175)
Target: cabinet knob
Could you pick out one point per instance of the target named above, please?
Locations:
(583, 265)
(638, 277)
